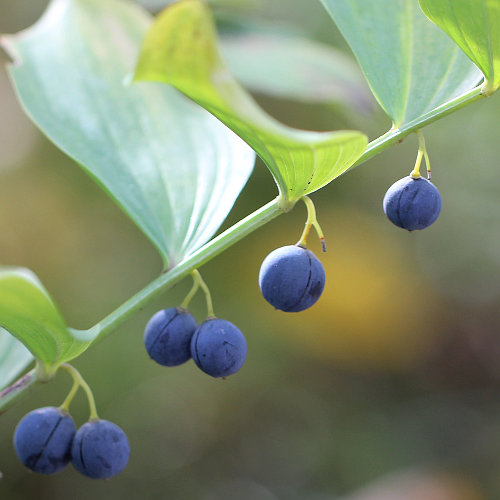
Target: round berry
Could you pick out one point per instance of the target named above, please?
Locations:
(43, 438)
(100, 449)
(167, 336)
(412, 203)
(218, 347)
(291, 278)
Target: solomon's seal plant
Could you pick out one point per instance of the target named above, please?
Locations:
(178, 174)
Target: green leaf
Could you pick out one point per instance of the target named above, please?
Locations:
(14, 358)
(181, 50)
(411, 66)
(475, 26)
(173, 168)
(268, 64)
(30, 315)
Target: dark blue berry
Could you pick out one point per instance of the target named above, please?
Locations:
(167, 336)
(43, 438)
(100, 449)
(218, 347)
(412, 203)
(291, 278)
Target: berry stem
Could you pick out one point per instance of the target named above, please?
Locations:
(192, 292)
(210, 308)
(311, 221)
(69, 398)
(79, 381)
(421, 142)
(415, 173)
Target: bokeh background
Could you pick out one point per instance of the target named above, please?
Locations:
(387, 389)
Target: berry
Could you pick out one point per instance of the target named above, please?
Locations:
(43, 438)
(100, 449)
(218, 347)
(412, 203)
(291, 278)
(167, 336)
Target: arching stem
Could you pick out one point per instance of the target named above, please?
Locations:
(311, 221)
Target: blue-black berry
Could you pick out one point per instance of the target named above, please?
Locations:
(100, 449)
(291, 278)
(218, 347)
(43, 438)
(168, 335)
(412, 203)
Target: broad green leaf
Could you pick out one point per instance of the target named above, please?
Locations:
(181, 50)
(411, 66)
(173, 168)
(475, 26)
(30, 315)
(14, 358)
(269, 64)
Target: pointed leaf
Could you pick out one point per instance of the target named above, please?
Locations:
(411, 66)
(181, 49)
(14, 358)
(173, 168)
(30, 315)
(268, 64)
(475, 26)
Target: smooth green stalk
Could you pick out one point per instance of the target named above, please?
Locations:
(256, 220)
(396, 135)
(183, 269)
(10, 394)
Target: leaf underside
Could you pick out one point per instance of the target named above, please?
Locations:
(411, 66)
(173, 168)
(181, 49)
(267, 63)
(474, 25)
(14, 358)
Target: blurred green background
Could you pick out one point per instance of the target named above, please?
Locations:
(387, 389)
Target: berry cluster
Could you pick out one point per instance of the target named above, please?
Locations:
(172, 337)
(291, 279)
(46, 440)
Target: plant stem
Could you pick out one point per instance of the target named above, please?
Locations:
(228, 238)
(10, 394)
(256, 220)
(183, 269)
(396, 135)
